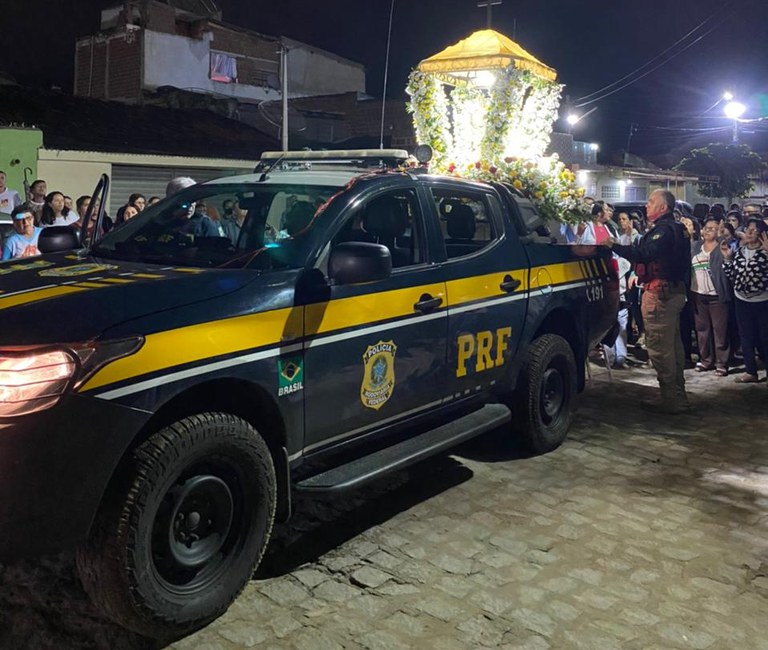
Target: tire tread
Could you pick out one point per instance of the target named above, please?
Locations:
(105, 563)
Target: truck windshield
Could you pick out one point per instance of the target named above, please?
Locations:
(254, 225)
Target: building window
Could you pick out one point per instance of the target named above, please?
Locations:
(636, 194)
(223, 68)
(610, 192)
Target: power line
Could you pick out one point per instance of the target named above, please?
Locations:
(677, 43)
(656, 67)
(708, 129)
(647, 63)
(585, 99)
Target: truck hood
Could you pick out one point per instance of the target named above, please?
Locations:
(64, 298)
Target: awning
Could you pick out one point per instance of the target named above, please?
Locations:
(485, 50)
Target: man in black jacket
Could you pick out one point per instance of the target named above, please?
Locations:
(662, 261)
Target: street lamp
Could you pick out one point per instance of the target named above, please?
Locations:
(734, 110)
(572, 118)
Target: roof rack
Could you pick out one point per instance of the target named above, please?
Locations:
(342, 159)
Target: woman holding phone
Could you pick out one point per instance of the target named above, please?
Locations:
(747, 269)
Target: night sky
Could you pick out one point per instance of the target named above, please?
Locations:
(590, 44)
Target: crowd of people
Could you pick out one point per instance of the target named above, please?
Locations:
(43, 209)
(687, 281)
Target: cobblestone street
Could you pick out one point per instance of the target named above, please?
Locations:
(641, 531)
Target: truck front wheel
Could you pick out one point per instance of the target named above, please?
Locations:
(183, 530)
(543, 402)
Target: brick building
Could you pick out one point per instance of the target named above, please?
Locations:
(181, 54)
(146, 45)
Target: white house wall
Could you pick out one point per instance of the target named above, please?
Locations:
(76, 172)
(171, 60)
(71, 177)
(314, 72)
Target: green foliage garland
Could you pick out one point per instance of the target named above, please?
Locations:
(430, 112)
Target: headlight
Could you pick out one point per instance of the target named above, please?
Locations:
(35, 379)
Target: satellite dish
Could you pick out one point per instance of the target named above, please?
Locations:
(273, 82)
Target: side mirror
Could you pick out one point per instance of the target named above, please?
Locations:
(359, 262)
(54, 239)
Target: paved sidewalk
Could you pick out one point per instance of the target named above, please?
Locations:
(641, 531)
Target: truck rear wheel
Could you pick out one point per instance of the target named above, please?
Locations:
(542, 404)
(179, 538)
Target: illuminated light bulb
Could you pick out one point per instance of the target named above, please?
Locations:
(483, 78)
(734, 110)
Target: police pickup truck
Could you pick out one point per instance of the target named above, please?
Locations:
(164, 393)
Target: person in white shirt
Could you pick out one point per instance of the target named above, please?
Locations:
(9, 199)
(56, 213)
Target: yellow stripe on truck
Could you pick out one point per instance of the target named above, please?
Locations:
(563, 273)
(195, 343)
(185, 345)
(465, 290)
(367, 310)
(14, 300)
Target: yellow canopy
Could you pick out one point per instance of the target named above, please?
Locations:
(485, 50)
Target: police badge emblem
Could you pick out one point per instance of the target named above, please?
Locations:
(378, 374)
(75, 270)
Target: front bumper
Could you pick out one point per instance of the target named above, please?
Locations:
(54, 469)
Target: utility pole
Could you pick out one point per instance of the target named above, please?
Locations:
(386, 70)
(632, 130)
(488, 4)
(284, 85)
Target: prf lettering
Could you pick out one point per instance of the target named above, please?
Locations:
(486, 347)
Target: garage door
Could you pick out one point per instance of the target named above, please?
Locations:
(151, 181)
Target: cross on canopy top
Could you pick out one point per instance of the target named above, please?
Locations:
(488, 4)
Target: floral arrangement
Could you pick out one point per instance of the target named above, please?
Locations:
(548, 183)
(498, 134)
(429, 106)
(469, 107)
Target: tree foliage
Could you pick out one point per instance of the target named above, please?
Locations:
(728, 166)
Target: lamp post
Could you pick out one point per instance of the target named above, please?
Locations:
(284, 91)
(386, 70)
(632, 130)
(734, 110)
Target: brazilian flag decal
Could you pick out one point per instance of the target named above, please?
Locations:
(290, 375)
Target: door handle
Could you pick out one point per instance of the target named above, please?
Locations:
(510, 284)
(427, 303)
